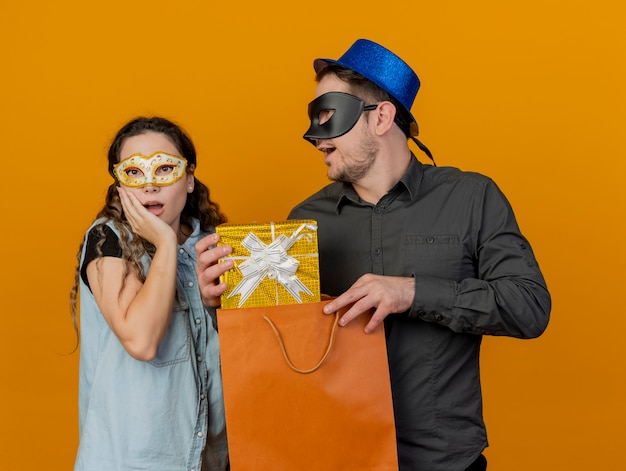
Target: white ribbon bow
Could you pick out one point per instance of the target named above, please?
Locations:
(273, 262)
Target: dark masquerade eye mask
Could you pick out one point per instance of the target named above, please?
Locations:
(333, 114)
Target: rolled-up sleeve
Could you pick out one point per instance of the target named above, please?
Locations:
(508, 294)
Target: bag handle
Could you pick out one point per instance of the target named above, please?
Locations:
(282, 346)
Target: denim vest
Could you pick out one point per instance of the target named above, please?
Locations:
(162, 415)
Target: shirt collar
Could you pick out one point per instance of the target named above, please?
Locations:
(412, 177)
(410, 181)
(196, 234)
(346, 193)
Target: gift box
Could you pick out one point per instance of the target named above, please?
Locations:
(276, 263)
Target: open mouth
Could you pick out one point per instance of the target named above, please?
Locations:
(327, 150)
(154, 208)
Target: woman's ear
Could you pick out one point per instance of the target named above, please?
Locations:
(190, 179)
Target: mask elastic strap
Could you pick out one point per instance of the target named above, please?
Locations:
(424, 149)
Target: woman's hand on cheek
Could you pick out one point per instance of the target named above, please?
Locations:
(143, 222)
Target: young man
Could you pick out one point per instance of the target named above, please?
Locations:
(435, 251)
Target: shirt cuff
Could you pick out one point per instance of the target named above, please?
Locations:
(434, 299)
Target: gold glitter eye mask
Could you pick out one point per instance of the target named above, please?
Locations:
(158, 169)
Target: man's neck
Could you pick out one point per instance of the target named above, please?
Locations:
(385, 173)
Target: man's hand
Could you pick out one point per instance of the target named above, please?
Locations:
(385, 294)
(209, 271)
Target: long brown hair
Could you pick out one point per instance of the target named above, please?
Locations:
(198, 205)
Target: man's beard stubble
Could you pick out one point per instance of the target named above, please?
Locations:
(359, 164)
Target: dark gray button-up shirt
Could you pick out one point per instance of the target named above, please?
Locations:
(475, 274)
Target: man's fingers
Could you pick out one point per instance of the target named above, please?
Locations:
(207, 242)
(377, 318)
(209, 270)
(351, 296)
(358, 308)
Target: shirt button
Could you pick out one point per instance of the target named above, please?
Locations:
(438, 317)
(198, 321)
(202, 396)
(199, 358)
(377, 251)
(430, 240)
(181, 251)
(190, 284)
(200, 434)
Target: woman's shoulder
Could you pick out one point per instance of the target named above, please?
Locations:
(103, 224)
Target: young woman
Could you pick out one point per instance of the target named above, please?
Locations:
(150, 392)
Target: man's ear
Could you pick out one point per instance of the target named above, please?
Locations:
(385, 116)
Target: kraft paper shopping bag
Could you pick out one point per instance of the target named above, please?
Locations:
(304, 394)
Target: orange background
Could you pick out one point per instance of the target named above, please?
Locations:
(528, 92)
